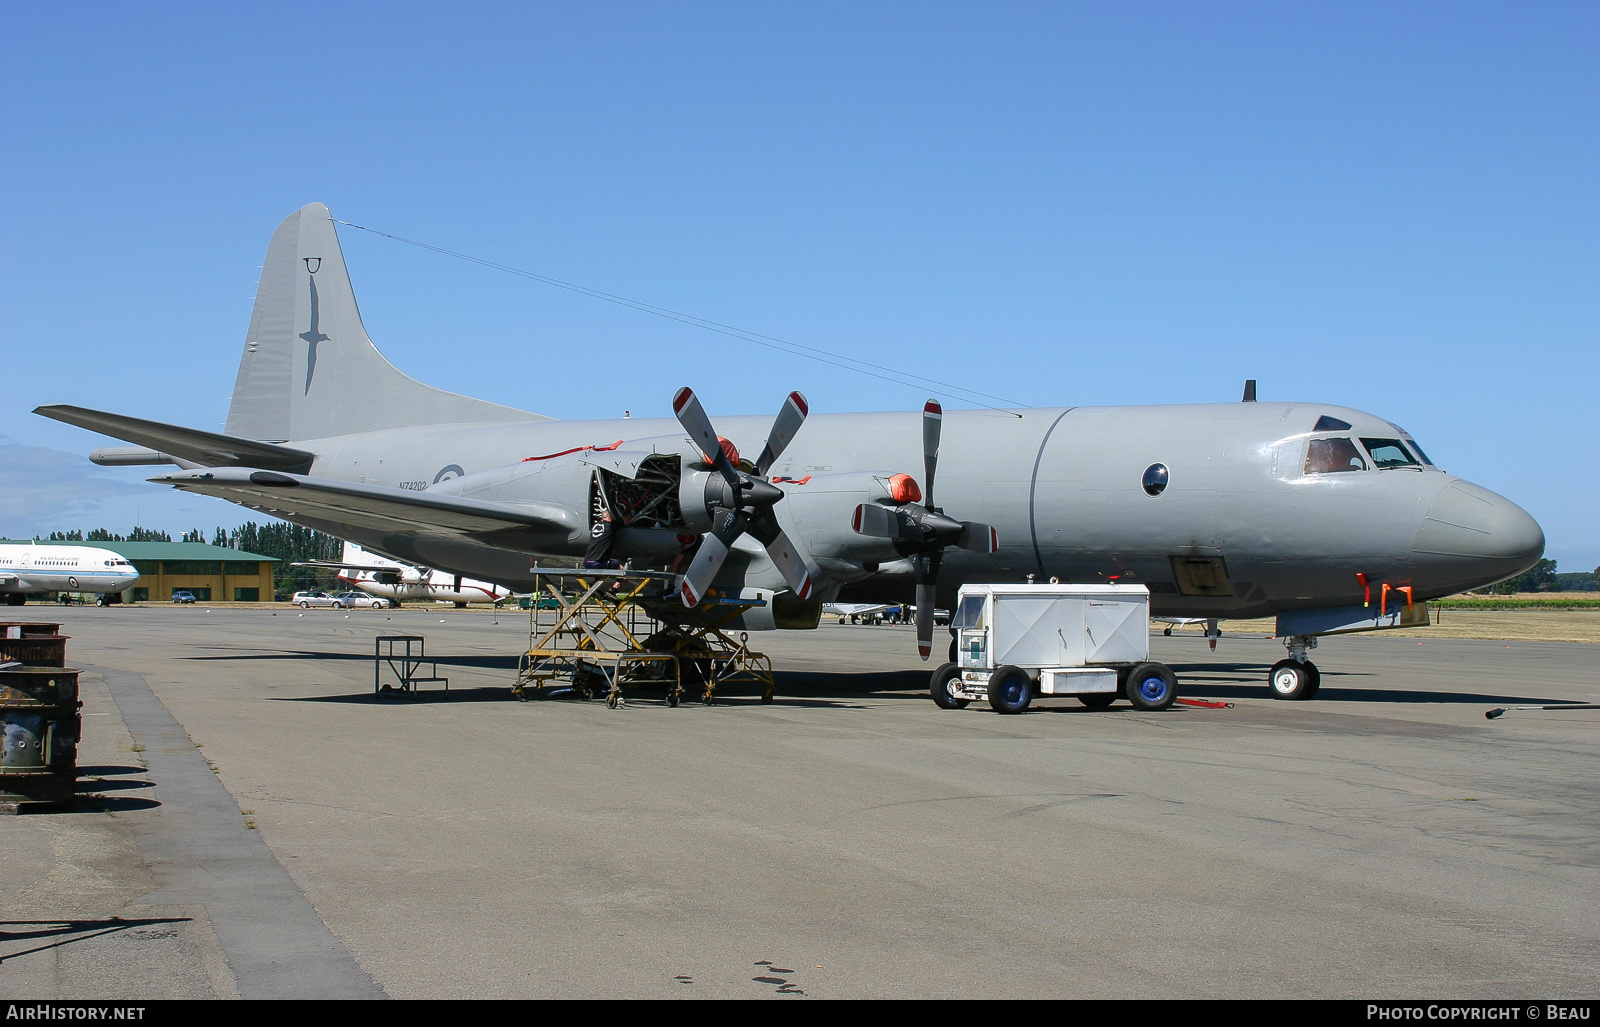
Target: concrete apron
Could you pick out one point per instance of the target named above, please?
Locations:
(200, 851)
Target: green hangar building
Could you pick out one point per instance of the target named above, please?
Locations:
(212, 573)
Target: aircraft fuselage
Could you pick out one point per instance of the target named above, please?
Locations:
(1240, 529)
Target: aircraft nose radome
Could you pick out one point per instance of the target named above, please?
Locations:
(1472, 522)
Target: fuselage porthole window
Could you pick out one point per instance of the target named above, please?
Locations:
(1156, 477)
(1389, 453)
(1325, 456)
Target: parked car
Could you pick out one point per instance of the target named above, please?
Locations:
(183, 596)
(351, 600)
(306, 600)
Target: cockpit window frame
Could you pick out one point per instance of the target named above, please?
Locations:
(1355, 451)
(1374, 445)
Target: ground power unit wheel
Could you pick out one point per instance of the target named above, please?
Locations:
(1152, 687)
(1291, 679)
(941, 684)
(1010, 690)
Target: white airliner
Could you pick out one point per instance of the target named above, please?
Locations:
(26, 568)
(396, 581)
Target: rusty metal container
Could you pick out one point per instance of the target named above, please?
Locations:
(40, 724)
(33, 644)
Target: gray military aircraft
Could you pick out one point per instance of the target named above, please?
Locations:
(1331, 518)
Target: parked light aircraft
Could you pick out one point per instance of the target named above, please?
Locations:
(397, 582)
(1305, 510)
(26, 568)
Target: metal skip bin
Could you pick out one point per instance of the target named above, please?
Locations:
(40, 722)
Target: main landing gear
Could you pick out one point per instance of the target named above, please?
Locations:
(1295, 677)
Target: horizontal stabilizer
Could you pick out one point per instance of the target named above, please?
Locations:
(207, 449)
(334, 565)
(525, 527)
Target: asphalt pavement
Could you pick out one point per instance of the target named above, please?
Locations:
(264, 825)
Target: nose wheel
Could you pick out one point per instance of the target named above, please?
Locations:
(1291, 679)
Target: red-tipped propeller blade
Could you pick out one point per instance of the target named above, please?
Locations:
(686, 406)
(789, 420)
(708, 561)
(932, 421)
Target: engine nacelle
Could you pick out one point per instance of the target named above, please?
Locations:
(822, 508)
(781, 611)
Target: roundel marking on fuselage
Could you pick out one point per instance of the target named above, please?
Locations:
(453, 471)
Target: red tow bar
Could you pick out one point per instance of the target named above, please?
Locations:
(1208, 704)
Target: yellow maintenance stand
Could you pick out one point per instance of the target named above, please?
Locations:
(595, 632)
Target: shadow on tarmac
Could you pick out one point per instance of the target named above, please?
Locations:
(486, 662)
(79, 930)
(823, 687)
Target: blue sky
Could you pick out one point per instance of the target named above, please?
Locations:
(1390, 206)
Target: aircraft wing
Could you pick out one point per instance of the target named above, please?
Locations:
(853, 609)
(334, 565)
(208, 449)
(528, 527)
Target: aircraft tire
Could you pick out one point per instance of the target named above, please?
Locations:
(1316, 680)
(1152, 687)
(1098, 700)
(953, 648)
(939, 686)
(1010, 690)
(1292, 680)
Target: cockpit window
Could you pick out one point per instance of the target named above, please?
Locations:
(969, 614)
(1389, 453)
(1418, 450)
(1326, 423)
(1324, 456)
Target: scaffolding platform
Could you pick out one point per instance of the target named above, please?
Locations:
(594, 632)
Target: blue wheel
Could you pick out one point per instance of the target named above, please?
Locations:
(1010, 690)
(1152, 686)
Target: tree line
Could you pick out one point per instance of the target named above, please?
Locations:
(289, 543)
(1542, 577)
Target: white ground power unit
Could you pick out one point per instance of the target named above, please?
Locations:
(1014, 642)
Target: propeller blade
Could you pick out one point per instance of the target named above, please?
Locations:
(927, 574)
(788, 561)
(686, 406)
(789, 420)
(708, 561)
(978, 538)
(875, 521)
(764, 527)
(932, 420)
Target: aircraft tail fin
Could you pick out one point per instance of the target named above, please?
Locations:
(309, 370)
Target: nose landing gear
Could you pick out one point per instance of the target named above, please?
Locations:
(1295, 677)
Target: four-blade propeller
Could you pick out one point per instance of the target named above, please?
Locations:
(740, 503)
(922, 531)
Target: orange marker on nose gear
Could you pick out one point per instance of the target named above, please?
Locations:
(1366, 589)
(1383, 603)
(1407, 590)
